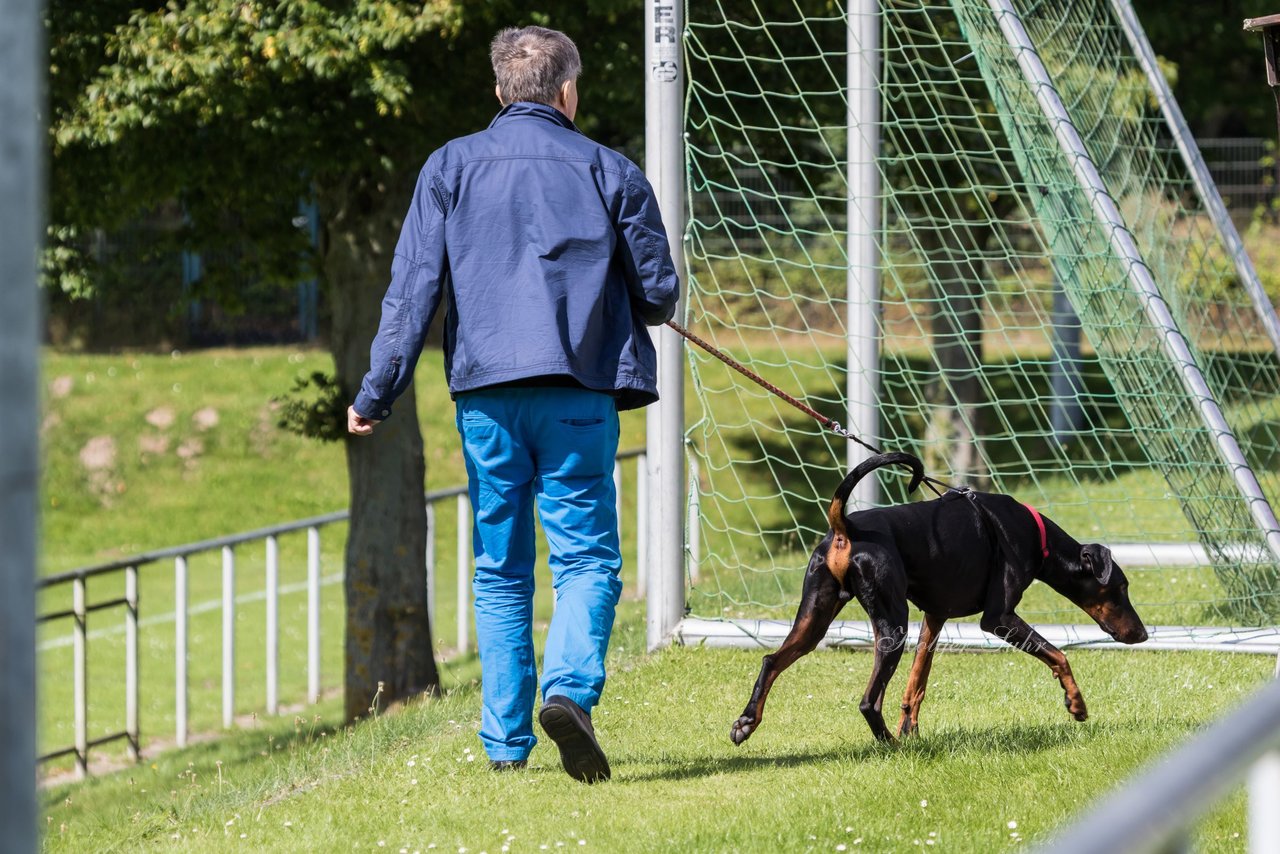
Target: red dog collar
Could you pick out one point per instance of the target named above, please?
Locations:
(1044, 535)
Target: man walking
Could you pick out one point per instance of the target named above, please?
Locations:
(549, 253)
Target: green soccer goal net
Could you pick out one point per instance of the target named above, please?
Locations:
(1054, 307)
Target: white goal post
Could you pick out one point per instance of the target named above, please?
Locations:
(778, 172)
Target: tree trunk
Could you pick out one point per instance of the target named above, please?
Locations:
(388, 635)
(952, 436)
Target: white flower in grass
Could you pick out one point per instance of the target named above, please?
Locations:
(924, 804)
(413, 782)
(1013, 825)
(842, 847)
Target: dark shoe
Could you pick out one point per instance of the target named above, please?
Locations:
(570, 728)
(507, 764)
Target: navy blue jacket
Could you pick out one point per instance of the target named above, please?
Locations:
(549, 253)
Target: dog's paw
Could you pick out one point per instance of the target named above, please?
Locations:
(742, 729)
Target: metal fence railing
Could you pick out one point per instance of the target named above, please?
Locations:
(1154, 811)
(81, 608)
(1245, 170)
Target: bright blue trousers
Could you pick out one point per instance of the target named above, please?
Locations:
(553, 447)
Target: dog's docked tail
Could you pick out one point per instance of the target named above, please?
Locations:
(835, 515)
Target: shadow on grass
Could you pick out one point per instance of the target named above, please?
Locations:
(944, 745)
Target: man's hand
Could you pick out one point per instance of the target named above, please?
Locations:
(358, 425)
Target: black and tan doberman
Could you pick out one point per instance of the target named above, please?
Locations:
(961, 554)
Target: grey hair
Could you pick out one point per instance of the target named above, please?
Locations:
(532, 63)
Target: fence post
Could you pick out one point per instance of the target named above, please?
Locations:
(431, 564)
(180, 649)
(273, 625)
(313, 615)
(617, 497)
(693, 525)
(131, 663)
(81, 679)
(642, 525)
(1264, 804)
(464, 553)
(228, 636)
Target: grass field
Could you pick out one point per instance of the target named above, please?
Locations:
(147, 451)
(998, 765)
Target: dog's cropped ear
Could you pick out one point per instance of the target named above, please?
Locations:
(1096, 559)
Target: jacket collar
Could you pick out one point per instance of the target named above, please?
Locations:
(532, 109)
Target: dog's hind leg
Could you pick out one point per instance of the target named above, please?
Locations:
(819, 603)
(912, 699)
(881, 588)
(890, 634)
(1015, 631)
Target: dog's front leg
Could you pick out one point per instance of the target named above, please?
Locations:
(1015, 631)
(819, 603)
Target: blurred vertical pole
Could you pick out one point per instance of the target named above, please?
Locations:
(21, 224)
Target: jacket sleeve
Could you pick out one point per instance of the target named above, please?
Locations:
(646, 255)
(419, 272)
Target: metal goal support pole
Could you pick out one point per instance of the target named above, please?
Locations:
(664, 422)
(1139, 274)
(1205, 187)
(863, 275)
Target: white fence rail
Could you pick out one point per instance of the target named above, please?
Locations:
(81, 607)
(1154, 811)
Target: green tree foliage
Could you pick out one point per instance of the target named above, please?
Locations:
(229, 112)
